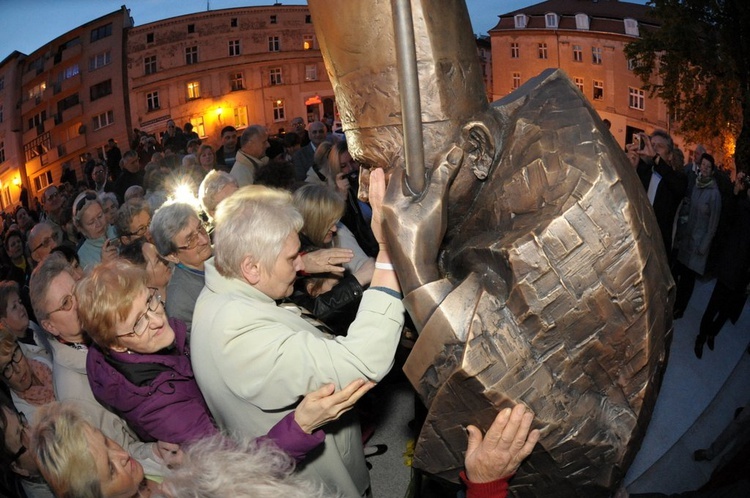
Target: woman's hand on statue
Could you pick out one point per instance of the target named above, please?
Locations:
(326, 260)
(324, 405)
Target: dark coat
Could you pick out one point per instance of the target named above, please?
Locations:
(670, 192)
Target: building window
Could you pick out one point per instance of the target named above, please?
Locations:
(240, 117)
(67, 103)
(596, 55)
(515, 51)
(2, 112)
(37, 120)
(101, 32)
(278, 110)
(191, 28)
(198, 126)
(191, 55)
(236, 82)
(73, 131)
(149, 38)
(598, 90)
(542, 51)
(311, 72)
(194, 90)
(100, 90)
(2, 82)
(152, 100)
(307, 42)
(43, 180)
(308, 19)
(70, 71)
(582, 21)
(550, 20)
(273, 44)
(234, 48)
(275, 73)
(579, 83)
(149, 64)
(577, 53)
(636, 98)
(2, 152)
(232, 24)
(516, 80)
(103, 119)
(520, 21)
(100, 60)
(631, 27)
(36, 91)
(273, 19)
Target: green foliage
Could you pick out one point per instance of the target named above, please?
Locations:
(698, 62)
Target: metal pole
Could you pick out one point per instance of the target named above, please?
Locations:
(408, 82)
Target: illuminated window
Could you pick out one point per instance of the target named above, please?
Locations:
(598, 90)
(198, 126)
(236, 82)
(193, 90)
(234, 48)
(70, 71)
(37, 90)
(579, 83)
(307, 42)
(275, 74)
(240, 117)
(515, 52)
(636, 98)
(191, 55)
(278, 110)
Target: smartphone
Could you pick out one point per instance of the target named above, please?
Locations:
(637, 141)
(114, 242)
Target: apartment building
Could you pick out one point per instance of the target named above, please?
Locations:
(241, 66)
(586, 39)
(11, 153)
(73, 99)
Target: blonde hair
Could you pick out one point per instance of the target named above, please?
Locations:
(254, 221)
(60, 448)
(105, 298)
(320, 208)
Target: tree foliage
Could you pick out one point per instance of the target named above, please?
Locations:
(698, 63)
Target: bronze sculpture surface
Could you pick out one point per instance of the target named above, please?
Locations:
(531, 263)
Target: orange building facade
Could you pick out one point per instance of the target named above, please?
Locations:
(238, 67)
(586, 39)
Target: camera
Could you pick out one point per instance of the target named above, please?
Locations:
(638, 140)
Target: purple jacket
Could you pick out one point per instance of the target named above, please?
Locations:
(171, 407)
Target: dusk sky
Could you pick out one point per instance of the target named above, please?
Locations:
(26, 25)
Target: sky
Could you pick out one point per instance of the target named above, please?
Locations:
(26, 25)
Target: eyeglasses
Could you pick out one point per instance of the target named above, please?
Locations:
(51, 195)
(24, 425)
(88, 197)
(67, 304)
(138, 233)
(193, 239)
(14, 360)
(141, 324)
(46, 242)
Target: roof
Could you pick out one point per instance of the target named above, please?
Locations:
(604, 15)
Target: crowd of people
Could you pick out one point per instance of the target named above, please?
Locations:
(704, 219)
(212, 343)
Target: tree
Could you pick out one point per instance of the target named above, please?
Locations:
(697, 62)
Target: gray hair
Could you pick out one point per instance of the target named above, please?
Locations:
(108, 196)
(167, 222)
(34, 232)
(666, 136)
(250, 133)
(41, 278)
(244, 469)
(129, 210)
(214, 181)
(255, 221)
(133, 192)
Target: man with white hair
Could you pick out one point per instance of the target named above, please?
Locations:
(253, 359)
(303, 159)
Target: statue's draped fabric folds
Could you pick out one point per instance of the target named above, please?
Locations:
(550, 286)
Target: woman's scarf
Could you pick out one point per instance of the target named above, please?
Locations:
(44, 393)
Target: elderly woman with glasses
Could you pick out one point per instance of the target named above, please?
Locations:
(133, 219)
(27, 372)
(143, 253)
(140, 367)
(89, 219)
(181, 237)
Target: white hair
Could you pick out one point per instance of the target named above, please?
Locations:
(215, 468)
(254, 221)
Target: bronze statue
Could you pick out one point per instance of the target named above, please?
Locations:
(529, 256)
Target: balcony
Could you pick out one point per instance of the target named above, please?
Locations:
(76, 144)
(74, 82)
(30, 104)
(72, 112)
